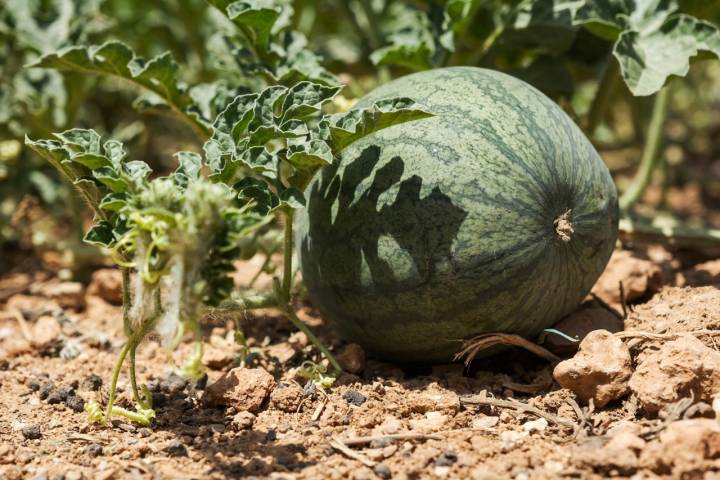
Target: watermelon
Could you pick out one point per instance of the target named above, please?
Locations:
(495, 215)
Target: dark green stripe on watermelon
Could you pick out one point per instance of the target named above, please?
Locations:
(434, 231)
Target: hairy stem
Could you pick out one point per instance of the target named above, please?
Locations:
(127, 324)
(650, 155)
(604, 94)
(113, 383)
(300, 325)
(287, 256)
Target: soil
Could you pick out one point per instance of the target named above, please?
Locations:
(502, 417)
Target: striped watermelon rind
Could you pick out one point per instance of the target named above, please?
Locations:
(496, 215)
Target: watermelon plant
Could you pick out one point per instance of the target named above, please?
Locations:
(176, 236)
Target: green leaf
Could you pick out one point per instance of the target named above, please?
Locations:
(305, 99)
(158, 75)
(647, 59)
(114, 201)
(346, 128)
(189, 169)
(313, 153)
(101, 235)
(111, 179)
(257, 15)
(258, 192)
(292, 198)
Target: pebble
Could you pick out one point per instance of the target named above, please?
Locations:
(354, 397)
(94, 450)
(176, 449)
(447, 458)
(92, 382)
(382, 471)
(243, 421)
(31, 432)
(75, 403)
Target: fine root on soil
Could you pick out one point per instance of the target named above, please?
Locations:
(472, 347)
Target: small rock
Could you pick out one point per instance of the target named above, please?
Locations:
(678, 369)
(46, 388)
(174, 384)
(217, 358)
(353, 397)
(175, 448)
(577, 325)
(538, 425)
(431, 422)
(92, 382)
(287, 397)
(242, 388)
(352, 358)
(382, 471)
(446, 459)
(638, 276)
(511, 438)
(600, 370)
(73, 475)
(75, 403)
(684, 447)
(485, 422)
(60, 394)
(243, 421)
(106, 283)
(45, 332)
(65, 294)
(31, 432)
(14, 347)
(94, 450)
(625, 440)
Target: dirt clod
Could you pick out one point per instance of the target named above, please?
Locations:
(243, 420)
(678, 369)
(92, 382)
(600, 370)
(75, 403)
(685, 448)
(175, 448)
(241, 388)
(286, 397)
(106, 283)
(65, 294)
(639, 278)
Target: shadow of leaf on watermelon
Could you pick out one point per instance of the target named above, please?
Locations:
(496, 215)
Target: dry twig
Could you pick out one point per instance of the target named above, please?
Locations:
(520, 407)
(391, 436)
(345, 450)
(472, 347)
(24, 329)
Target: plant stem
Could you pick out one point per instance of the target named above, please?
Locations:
(287, 256)
(300, 325)
(650, 155)
(604, 94)
(671, 233)
(127, 325)
(113, 383)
